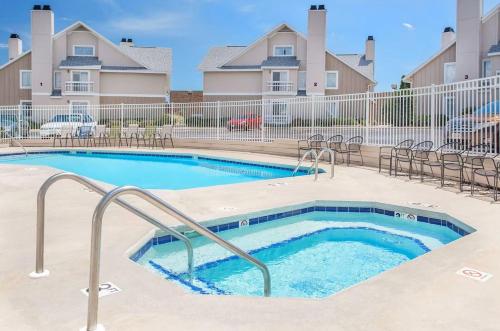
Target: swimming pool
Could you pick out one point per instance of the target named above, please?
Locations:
(312, 251)
(155, 170)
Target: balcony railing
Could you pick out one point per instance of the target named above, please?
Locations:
(280, 86)
(79, 87)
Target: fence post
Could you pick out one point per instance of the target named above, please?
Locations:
(121, 118)
(19, 108)
(433, 114)
(172, 122)
(367, 118)
(262, 119)
(313, 114)
(218, 119)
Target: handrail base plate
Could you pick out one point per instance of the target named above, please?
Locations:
(36, 275)
(99, 327)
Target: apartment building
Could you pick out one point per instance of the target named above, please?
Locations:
(78, 66)
(285, 63)
(472, 52)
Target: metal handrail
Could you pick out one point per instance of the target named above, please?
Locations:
(18, 143)
(162, 205)
(332, 158)
(315, 165)
(40, 215)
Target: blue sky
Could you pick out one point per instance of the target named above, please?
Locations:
(406, 32)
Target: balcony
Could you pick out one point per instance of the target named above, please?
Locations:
(79, 87)
(280, 87)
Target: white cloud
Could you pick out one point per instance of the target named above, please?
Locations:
(165, 23)
(4, 46)
(408, 26)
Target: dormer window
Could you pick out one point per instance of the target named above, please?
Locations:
(83, 50)
(283, 50)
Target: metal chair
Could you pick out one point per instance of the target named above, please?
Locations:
(434, 158)
(85, 133)
(162, 135)
(102, 135)
(350, 147)
(129, 133)
(489, 168)
(417, 153)
(452, 162)
(315, 142)
(334, 142)
(473, 153)
(389, 152)
(66, 133)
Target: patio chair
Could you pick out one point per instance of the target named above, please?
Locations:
(129, 133)
(334, 142)
(315, 142)
(146, 136)
(351, 147)
(452, 162)
(162, 135)
(66, 133)
(489, 168)
(417, 153)
(85, 133)
(473, 153)
(434, 158)
(389, 152)
(102, 135)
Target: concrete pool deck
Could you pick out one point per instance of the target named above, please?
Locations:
(423, 294)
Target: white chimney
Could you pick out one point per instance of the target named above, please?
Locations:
(316, 50)
(370, 49)
(447, 37)
(15, 46)
(469, 13)
(42, 30)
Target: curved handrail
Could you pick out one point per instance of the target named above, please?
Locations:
(95, 244)
(40, 217)
(332, 158)
(18, 143)
(306, 154)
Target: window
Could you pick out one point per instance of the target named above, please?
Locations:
(79, 50)
(57, 80)
(301, 85)
(80, 76)
(332, 80)
(450, 69)
(487, 68)
(283, 50)
(25, 79)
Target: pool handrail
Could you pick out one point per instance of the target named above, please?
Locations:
(332, 159)
(15, 141)
(40, 224)
(317, 157)
(95, 251)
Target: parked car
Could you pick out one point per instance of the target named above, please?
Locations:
(480, 127)
(244, 123)
(11, 127)
(53, 127)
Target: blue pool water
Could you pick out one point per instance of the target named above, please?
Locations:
(155, 171)
(311, 255)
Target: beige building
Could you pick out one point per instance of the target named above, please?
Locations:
(470, 53)
(285, 63)
(78, 66)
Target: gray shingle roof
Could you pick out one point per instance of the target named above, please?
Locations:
(358, 62)
(80, 61)
(241, 67)
(219, 55)
(495, 48)
(122, 68)
(153, 58)
(281, 61)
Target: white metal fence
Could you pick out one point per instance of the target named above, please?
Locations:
(467, 113)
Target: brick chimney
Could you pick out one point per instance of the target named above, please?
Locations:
(15, 46)
(42, 30)
(316, 49)
(469, 13)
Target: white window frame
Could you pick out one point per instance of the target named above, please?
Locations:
(287, 74)
(445, 65)
(71, 102)
(304, 72)
(87, 71)
(25, 114)
(276, 46)
(336, 72)
(483, 73)
(54, 80)
(91, 46)
(21, 86)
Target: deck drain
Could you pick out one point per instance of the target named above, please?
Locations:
(474, 274)
(105, 289)
(423, 204)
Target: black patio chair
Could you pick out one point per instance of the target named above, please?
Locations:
(316, 142)
(416, 154)
(489, 168)
(389, 152)
(452, 162)
(334, 142)
(434, 158)
(474, 153)
(351, 147)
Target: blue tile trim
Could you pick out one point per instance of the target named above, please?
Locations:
(170, 275)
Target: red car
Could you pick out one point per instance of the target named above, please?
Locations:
(244, 123)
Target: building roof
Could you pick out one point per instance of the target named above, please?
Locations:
(359, 62)
(122, 68)
(432, 58)
(153, 58)
(219, 55)
(494, 49)
(80, 61)
(280, 61)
